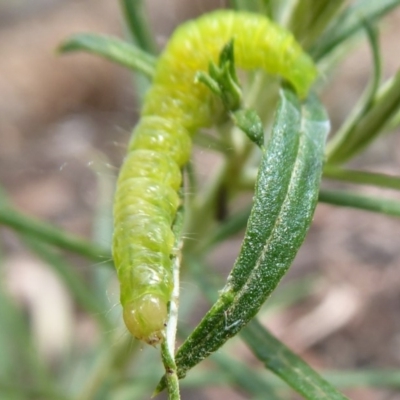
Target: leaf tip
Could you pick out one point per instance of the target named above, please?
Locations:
(160, 387)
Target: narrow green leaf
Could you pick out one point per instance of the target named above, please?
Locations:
(272, 347)
(384, 106)
(294, 372)
(345, 137)
(52, 235)
(222, 80)
(291, 368)
(136, 20)
(393, 124)
(349, 23)
(354, 200)
(285, 198)
(250, 123)
(361, 177)
(113, 49)
(310, 18)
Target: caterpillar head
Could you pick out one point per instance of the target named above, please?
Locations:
(145, 318)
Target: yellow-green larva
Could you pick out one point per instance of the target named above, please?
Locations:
(147, 198)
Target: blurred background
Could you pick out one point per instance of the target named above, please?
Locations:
(64, 124)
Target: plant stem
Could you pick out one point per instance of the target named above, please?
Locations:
(168, 346)
(172, 380)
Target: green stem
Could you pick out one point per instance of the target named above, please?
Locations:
(369, 203)
(168, 346)
(172, 380)
(361, 177)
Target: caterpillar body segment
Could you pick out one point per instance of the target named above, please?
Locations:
(146, 199)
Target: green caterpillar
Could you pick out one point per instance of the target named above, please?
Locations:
(146, 199)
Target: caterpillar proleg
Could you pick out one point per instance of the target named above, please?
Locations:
(146, 199)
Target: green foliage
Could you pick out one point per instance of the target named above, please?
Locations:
(280, 360)
(222, 80)
(285, 198)
(113, 49)
(287, 188)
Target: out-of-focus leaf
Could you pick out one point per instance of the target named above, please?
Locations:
(52, 235)
(350, 22)
(113, 49)
(287, 365)
(354, 200)
(349, 140)
(384, 106)
(136, 20)
(361, 177)
(310, 18)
